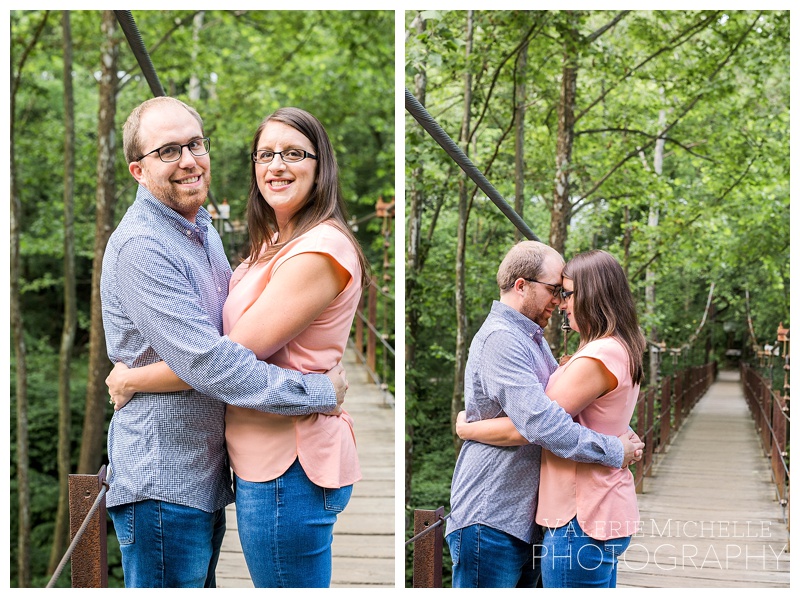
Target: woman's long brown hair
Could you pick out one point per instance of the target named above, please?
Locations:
(604, 306)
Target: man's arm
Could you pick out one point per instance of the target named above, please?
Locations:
(165, 309)
(509, 377)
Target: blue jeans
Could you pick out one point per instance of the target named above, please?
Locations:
(286, 529)
(165, 545)
(484, 557)
(571, 559)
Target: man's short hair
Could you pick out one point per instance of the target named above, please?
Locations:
(131, 140)
(524, 260)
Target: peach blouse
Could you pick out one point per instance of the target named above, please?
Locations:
(604, 499)
(262, 446)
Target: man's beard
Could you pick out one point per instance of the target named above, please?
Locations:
(184, 201)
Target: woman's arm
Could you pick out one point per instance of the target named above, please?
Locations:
(299, 290)
(585, 380)
(499, 431)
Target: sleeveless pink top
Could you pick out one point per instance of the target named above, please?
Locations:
(604, 499)
(262, 446)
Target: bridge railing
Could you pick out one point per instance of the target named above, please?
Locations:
(373, 338)
(662, 409)
(770, 413)
(660, 412)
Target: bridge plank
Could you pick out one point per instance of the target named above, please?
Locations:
(710, 515)
(364, 535)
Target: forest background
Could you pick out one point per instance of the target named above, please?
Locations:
(659, 136)
(74, 80)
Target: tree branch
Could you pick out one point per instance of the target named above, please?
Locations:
(672, 44)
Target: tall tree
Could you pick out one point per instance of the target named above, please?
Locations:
(61, 532)
(520, 98)
(413, 267)
(457, 402)
(18, 332)
(105, 200)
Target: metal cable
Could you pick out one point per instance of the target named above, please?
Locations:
(428, 123)
(428, 530)
(78, 536)
(128, 25)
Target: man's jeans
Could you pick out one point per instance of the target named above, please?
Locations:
(484, 557)
(571, 559)
(165, 545)
(286, 529)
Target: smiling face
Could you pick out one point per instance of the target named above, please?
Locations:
(286, 187)
(182, 185)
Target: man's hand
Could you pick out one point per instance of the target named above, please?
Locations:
(633, 446)
(340, 385)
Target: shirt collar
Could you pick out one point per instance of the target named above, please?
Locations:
(199, 227)
(528, 326)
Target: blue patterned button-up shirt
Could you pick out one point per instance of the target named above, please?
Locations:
(164, 282)
(507, 371)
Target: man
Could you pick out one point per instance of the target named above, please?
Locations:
(491, 530)
(165, 279)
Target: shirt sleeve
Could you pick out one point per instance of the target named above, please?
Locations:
(164, 307)
(612, 354)
(507, 376)
(325, 239)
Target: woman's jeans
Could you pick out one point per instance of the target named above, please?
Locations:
(165, 545)
(286, 529)
(484, 557)
(571, 559)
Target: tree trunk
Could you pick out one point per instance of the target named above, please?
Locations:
(61, 531)
(18, 336)
(650, 286)
(457, 402)
(413, 268)
(561, 209)
(519, 137)
(99, 366)
(194, 80)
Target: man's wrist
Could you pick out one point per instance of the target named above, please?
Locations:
(321, 388)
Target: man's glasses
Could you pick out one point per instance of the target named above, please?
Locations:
(557, 290)
(288, 155)
(172, 152)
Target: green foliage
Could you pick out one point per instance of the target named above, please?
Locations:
(338, 65)
(714, 84)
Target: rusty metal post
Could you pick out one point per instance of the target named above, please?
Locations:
(650, 439)
(359, 333)
(666, 405)
(638, 477)
(372, 317)
(428, 549)
(89, 559)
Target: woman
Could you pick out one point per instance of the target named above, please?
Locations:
(291, 301)
(588, 511)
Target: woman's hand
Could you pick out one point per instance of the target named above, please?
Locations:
(462, 425)
(118, 387)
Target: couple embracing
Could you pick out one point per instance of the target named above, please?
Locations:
(564, 524)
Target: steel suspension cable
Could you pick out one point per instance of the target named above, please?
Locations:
(428, 123)
(128, 25)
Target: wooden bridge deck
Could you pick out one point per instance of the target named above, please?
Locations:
(709, 513)
(364, 535)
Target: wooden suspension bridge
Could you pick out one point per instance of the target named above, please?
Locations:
(363, 537)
